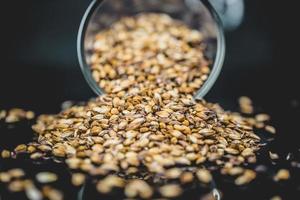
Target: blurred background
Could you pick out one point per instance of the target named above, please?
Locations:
(39, 68)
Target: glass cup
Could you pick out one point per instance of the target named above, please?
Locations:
(197, 14)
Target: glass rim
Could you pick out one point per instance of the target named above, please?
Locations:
(205, 88)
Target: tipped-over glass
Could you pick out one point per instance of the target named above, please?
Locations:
(197, 14)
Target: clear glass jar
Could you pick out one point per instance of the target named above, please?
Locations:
(197, 14)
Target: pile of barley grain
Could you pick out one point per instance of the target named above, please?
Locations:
(148, 122)
(159, 132)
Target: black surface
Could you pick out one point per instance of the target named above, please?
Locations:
(39, 71)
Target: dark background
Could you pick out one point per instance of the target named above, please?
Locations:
(39, 68)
